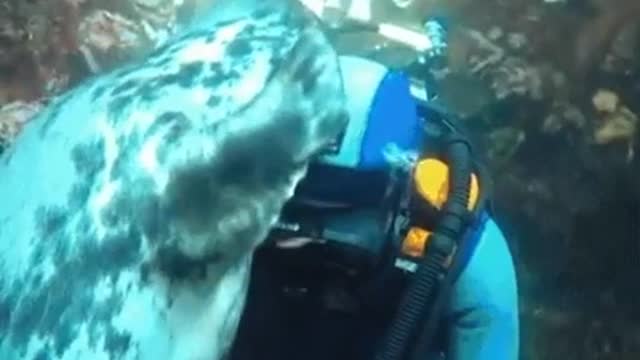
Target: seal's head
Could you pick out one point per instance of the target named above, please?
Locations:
(278, 104)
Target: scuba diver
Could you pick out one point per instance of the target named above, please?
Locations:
(388, 249)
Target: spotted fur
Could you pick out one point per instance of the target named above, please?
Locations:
(130, 207)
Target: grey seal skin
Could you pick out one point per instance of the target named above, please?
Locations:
(130, 207)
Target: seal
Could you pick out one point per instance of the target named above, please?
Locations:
(130, 207)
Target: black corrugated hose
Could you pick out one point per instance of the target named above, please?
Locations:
(420, 296)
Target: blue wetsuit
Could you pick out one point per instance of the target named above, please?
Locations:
(483, 310)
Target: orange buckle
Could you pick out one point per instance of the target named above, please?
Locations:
(415, 243)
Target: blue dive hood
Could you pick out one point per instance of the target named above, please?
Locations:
(382, 113)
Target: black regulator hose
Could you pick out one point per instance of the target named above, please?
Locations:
(411, 322)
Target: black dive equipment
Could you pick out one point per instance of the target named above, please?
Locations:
(429, 284)
(350, 226)
(359, 232)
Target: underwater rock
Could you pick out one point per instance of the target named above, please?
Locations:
(158, 17)
(504, 144)
(617, 122)
(464, 95)
(515, 77)
(13, 117)
(563, 116)
(107, 39)
(620, 126)
(517, 41)
(624, 49)
(606, 101)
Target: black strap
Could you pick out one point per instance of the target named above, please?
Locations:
(427, 289)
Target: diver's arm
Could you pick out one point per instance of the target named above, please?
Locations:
(484, 303)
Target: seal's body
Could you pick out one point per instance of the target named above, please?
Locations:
(130, 207)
